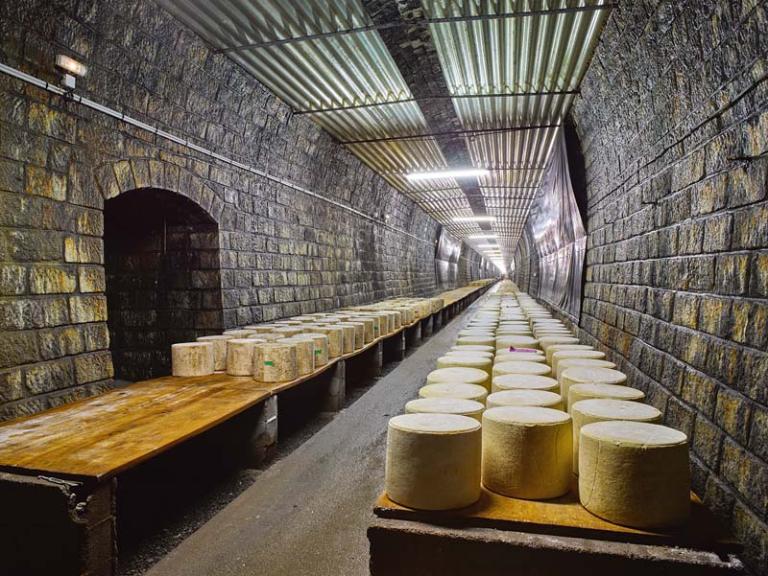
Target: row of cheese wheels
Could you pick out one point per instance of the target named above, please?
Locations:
(531, 407)
(287, 349)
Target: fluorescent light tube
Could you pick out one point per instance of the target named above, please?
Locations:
(462, 173)
(474, 218)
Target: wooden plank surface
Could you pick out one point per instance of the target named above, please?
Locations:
(101, 436)
(565, 516)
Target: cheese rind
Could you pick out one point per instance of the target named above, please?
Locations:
(454, 390)
(305, 354)
(460, 375)
(574, 362)
(433, 461)
(550, 351)
(460, 406)
(532, 368)
(273, 362)
(605, 409)
(641, 477)
(526, 452)
(219, 349)
(466, 361)
(192, 359)
(589, 375)
(579, 392)
(507, 356)
(240, 356)
(563, 354)
(523, 397)
(524, 381)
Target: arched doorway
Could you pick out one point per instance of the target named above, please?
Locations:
(161, 253)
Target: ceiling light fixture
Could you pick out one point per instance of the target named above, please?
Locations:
(462, 173)
(474, 218)
(71, 70)
(481, 236)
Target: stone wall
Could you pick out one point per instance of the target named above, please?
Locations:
(673, 119)
(281, 252)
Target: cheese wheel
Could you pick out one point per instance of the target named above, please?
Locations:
(240, 356)
(473, 348)
(459, 406)
(470, 353)
(321, 346)
(370, 328)
(476, 332)
(263, 328)
(237, 333)
(288, 331)
(526, 452)
(547, 341)
(466, 361)
(536, 368)
(454, 390)
(268, 337)
(563, 354)
(511, 342)
(601, 409)
(514, 331)
(287, 322)
(523, 397)
(573, 362)
(524, 381)
(579, 392)
(192, 359)
(359, 330)
(473, 340)
(433, 461)
(335, 336)
(461, 375)
(589, 375)
(305, 354)
(219, 349)
(519, 357)
(550, 351)
(635, 474)
(273, 362)
(348, 337)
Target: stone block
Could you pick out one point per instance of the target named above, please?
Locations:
(750, 323)
(88, 309)
(91, 279)
(93, 367)
(686, 310)
(58, 342)
(49, 376)
(732, 413)
(83, 249)
(42, 182)
(11, 176)
(732, 276)
(51, 279)
(11, 385)
(13, 279)
(749, 229)
(707, 442)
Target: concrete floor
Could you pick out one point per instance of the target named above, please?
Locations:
(307, 514)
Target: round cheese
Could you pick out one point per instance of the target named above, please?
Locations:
(288, 331)
(524, 382)
(305, 354)
(470, 353)
(523, 397)
(474, 340)
(473, 348)
(239, 333)
(512, 342)
(579, 392)
(534, 368)
(635, 474)
(240, 356)
(369, 328)
(589, 375)
(358, 331)
(600, 410)
(433, 461)
(563, 354)
(518, 357)
(192, 359)
(273, 362)
(335, 336)
(551, 349)
(219, 349)
(466, 361)
(459, 406)
(263, 328)
(461, 375)
(526, 452)
(320, 342)
(454, 390)
(574, 362)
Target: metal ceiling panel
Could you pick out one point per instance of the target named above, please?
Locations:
(512, 68)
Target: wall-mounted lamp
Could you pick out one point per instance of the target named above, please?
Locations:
(72, 69)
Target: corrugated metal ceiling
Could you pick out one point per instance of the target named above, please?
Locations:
(512, 68)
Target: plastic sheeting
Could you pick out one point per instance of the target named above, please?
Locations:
(556, 238)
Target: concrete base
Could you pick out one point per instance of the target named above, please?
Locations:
(336, 392)
(406, 548)
(394, 348)
(413, 335)
(51, 526)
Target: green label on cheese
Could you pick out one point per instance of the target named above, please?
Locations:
(318, 351)
(268, 363)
